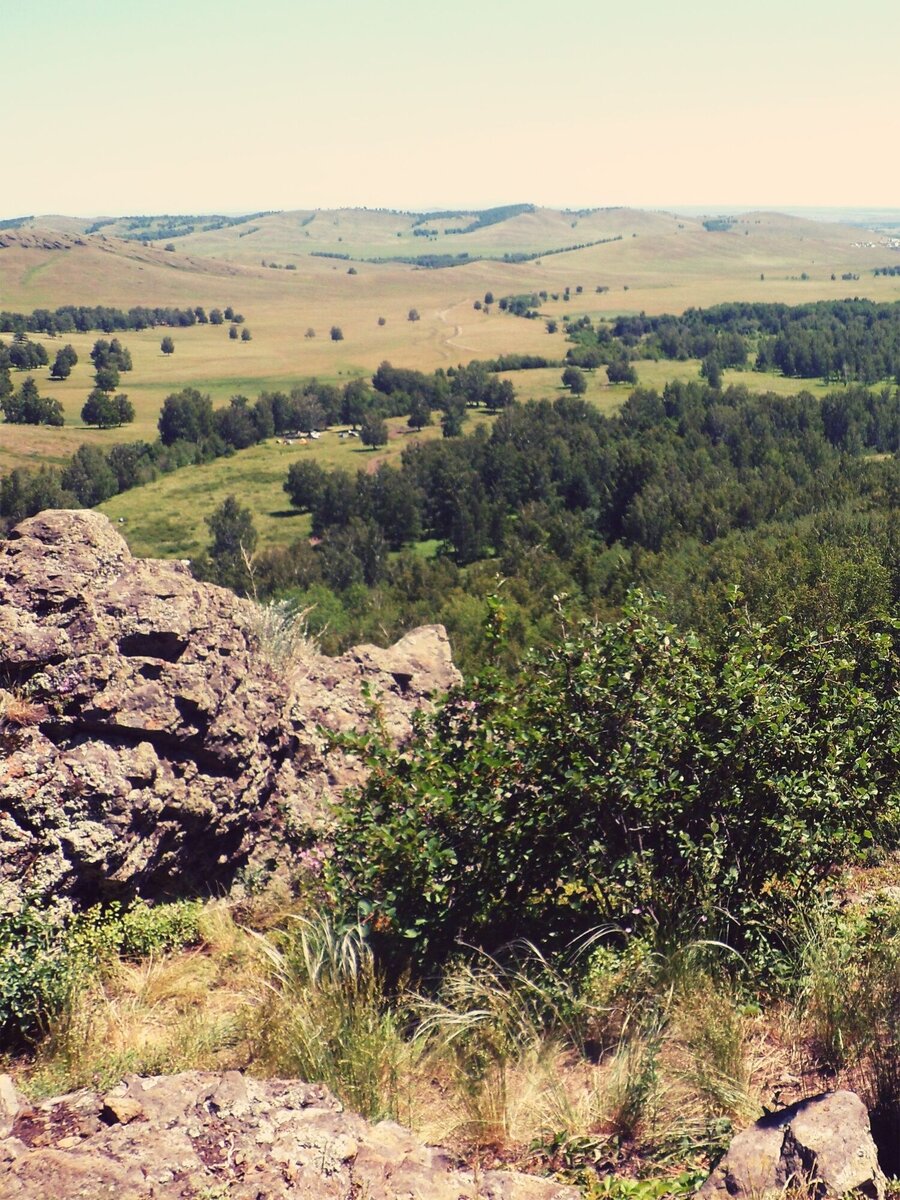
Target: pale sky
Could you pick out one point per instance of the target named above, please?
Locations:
(116, 106)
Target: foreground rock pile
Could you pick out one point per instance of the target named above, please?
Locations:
(209, 1135)
(821, 1146)
(147, 745)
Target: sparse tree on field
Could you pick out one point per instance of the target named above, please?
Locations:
(246, 335)
(99, 409)
(124, 409)
(382, 321)
(413, 315)
(233, 332)
(419, 413)
(305, 483)
(234, 539)
(107, 378)
(310, 333)
(216, 317)
(573, 378)
(337, 334)
(167, 345)
(66, 358)
(620, 370)
(711, 371)
(373, 431)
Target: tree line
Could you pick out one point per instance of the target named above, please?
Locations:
(72, 318)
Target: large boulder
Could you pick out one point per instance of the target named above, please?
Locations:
(203, 1135)
(148, 743)
(824, 1142)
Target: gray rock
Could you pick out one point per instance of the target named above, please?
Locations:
(202, 1134)
(10, 1103)
(147, 745)
(825, 1140)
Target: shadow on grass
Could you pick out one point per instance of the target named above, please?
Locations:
(286, 512)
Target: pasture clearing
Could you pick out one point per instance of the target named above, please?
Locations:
(166, 518)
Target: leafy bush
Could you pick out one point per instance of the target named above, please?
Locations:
(634, 776)
(44, 962)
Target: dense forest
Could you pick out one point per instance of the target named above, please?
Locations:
(835, 340)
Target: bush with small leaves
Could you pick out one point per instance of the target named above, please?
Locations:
(629, 776)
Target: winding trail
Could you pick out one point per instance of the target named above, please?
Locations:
(450, 341)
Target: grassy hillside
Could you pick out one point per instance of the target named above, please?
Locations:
(672, 262)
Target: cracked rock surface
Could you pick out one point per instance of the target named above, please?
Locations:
(200, 1135)
(147, 746)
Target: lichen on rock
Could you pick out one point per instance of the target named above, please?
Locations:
(147, 747)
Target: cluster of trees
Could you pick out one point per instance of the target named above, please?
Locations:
(24, 355)
(558, 498)
(835, 340)
(65, 360)
(72, 318)
(110, 356)
(106, 411)
(102, 408)
(28, 407)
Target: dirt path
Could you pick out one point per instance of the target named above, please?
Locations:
(450, 341)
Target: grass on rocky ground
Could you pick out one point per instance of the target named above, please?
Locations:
(639, 1063)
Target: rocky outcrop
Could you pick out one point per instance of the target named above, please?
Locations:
(824, 1143)
(147, 743)
(203, 1135)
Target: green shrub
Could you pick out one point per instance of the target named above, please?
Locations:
(631, 776)
(45, 961)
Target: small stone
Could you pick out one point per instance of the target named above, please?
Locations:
(120, 1110)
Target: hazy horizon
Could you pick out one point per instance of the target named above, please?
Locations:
(852, 214)
(388, 104)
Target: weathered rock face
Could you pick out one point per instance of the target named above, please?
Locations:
(145, 744)
(825, 1141)
(201, 1135)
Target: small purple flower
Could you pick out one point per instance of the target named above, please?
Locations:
(312, 861)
